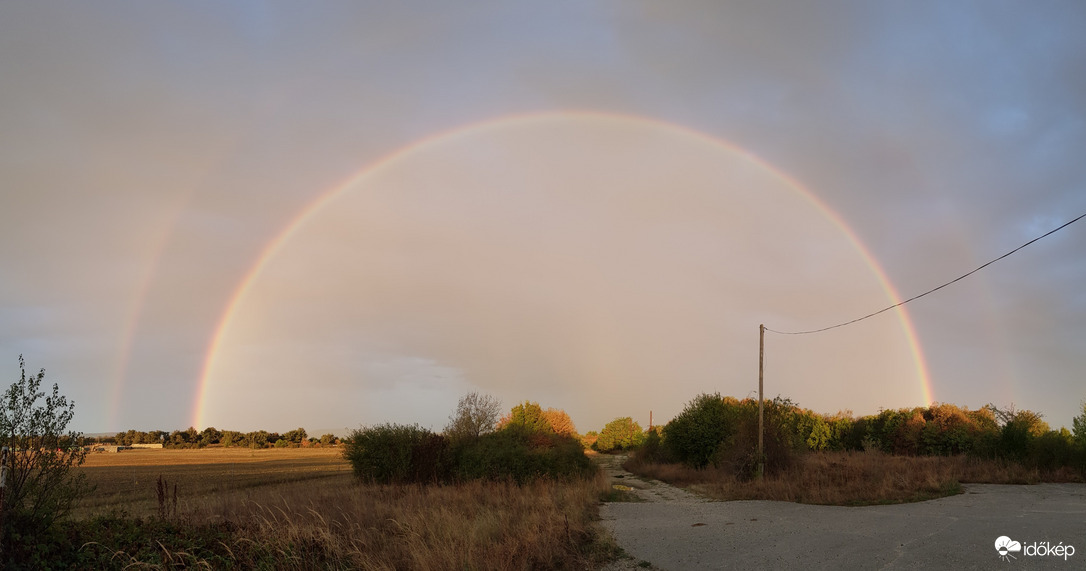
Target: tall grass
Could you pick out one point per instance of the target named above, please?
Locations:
(338, 523)
(482, 525)
(851, 478)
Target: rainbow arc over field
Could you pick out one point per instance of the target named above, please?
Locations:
(270, 250)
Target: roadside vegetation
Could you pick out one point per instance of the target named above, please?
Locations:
(894, 456)
(488, 493)
(491, 491)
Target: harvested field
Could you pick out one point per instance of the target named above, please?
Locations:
(127, 480)
(304, 509)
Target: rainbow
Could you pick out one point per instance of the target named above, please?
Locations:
(273, 247)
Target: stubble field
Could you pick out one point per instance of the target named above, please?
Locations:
(304, 509)
(128, 480)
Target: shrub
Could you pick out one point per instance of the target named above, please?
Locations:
(782, 439)
(395, 454)
(40, 485)
(700, 430)
(1051, 450)
(521, 455)
(653, 449)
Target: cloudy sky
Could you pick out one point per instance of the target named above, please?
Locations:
(270, 215)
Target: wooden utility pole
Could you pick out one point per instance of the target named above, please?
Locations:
(761, 371)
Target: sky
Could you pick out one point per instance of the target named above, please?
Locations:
(266, 215)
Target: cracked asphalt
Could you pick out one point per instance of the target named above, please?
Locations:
(674, 529)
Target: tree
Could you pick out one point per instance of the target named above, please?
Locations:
(296, 436)
(210, 435)
(620, 434)
(560, 422)
(231, 438)
(527, 416)
(475, 415)
(328, 439)
(41, 454)
(1079, 427)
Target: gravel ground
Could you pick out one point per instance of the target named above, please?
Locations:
(674, 529)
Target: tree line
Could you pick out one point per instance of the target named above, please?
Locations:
(723, 431)
(212, 436)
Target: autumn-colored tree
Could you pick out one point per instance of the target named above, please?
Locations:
(560, 422)
(528, 416)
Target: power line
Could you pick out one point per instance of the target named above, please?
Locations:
(1050, 232)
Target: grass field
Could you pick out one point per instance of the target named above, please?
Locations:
(303, 509)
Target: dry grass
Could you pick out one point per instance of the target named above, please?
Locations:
(489, 525)
(126, 480)
(851, 478)
(298, 509)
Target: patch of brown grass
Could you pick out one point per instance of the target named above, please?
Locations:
(493, 525)
(850, 478)
(309, 512)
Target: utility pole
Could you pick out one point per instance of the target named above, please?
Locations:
(761, 427)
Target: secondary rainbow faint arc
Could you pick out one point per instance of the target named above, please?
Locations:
(330, 195)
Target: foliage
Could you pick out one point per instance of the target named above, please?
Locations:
(520, 454)
(230, 438)
(398, 454)
(620, 434)
(653, 449)
(41, 454)
(528, 416)
(395, 454)
(560, 422)
(209, 436)
(700, 430)
(1079, 428)
(475, 415)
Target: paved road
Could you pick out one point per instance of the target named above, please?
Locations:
(674, 530)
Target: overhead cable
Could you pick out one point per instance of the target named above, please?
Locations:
(885, 309)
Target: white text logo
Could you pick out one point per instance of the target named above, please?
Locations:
(1007, 547)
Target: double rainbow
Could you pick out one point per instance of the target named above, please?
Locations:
(239, 294)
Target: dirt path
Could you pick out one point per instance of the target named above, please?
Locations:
(669, 528)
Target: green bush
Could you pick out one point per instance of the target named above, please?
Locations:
(1052, 450)
(519, 454)
(700, 430)
(785, 435)
(395, 454)
(653, 450)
